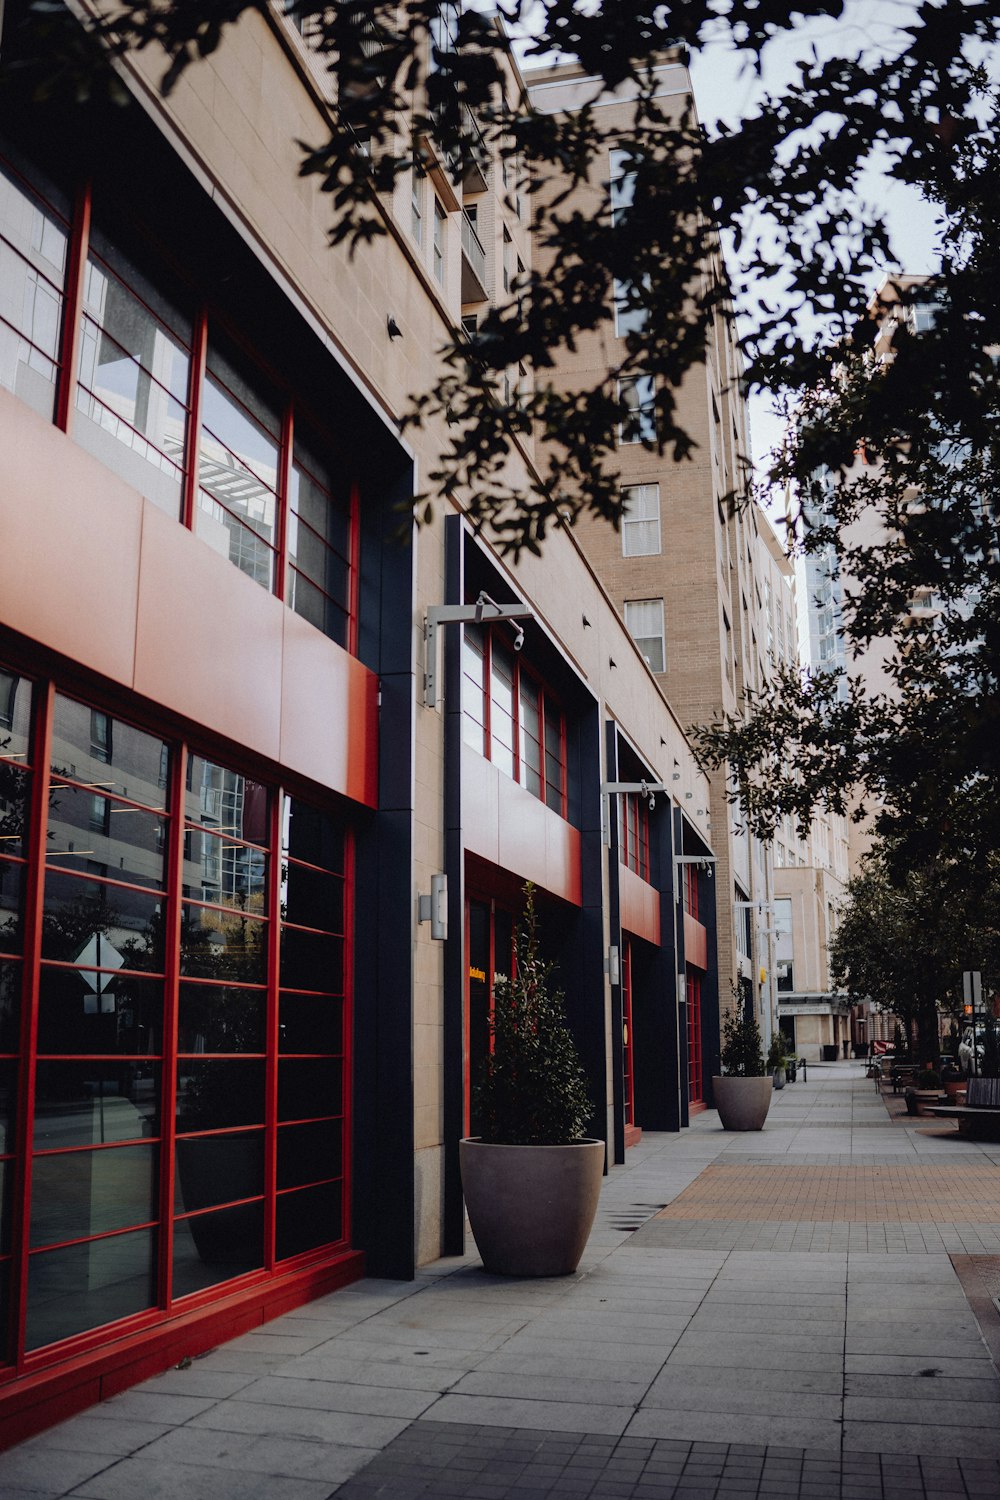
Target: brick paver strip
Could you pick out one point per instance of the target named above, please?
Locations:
(901, 1194)
(433, 1459)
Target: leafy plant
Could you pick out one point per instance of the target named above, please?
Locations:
(742, 1049)
(928, 1079)
(533, 1091)
(776, 1056)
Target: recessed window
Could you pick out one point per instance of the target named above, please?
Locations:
(417, 206)
(510, 716)
(637, 395)
(440, 220)
(630, 315)
(622, 183)
(640, 520)
(644, 619)
(633, 832)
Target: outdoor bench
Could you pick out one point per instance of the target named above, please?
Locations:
(979, 1116)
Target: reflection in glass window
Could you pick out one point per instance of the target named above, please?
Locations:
(33, 242)
(86, 1285)
(474, 688)
(502, 744)
(105, 754)
(133, 384)
(15, 716)
(238, 470)
(319, 544)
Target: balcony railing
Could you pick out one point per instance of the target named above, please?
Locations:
(473, 263)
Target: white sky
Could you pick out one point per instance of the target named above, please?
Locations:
(726, 88)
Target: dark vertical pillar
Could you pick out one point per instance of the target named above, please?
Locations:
(581, 962)
(660, 1084)
(677, 907)
(385, 916)
(454, 864)
(615, 940)
(710, 1024)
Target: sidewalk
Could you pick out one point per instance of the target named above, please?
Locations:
(775, 1314)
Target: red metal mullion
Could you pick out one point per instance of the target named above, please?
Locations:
(33, 913)
(283, 499)
(196, 385)
(171, 990)
(271, 1029)
(347, 1039)
(69, 340)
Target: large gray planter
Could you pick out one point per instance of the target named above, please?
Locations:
(743, 1102)
(531, 1207)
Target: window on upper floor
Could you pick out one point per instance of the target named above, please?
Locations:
(637, 394)
(644, 620)
(633, 832)
(689, 889)
(511, 717)
(417, 205)
(440, 225)
(640, 520)
(621, 183)
(182, 413)
(630, 315)
(34, 236)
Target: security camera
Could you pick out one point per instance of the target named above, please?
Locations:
(518, 638)
(652, 801)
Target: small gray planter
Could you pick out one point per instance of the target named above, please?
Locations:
(743, 1102)
(531, 1207)
(779, 1078)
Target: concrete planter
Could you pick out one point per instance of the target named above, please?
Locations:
(531, 1207)
(743, 1102)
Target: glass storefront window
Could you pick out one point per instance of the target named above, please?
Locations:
(251, 1168)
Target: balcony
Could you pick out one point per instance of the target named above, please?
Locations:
(475, 154)
(473, 263)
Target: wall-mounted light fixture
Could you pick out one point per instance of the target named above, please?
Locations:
(434, 908)
(392, 328)
(614, 967)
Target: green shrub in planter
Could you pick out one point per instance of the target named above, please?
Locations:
(742, 1049)
(928, 1079)
(532, 1091)
(776, 1058)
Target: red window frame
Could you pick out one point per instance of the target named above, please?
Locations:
(696, 1085)
(628, 1071)
(633, 833)
(690, 890)
(493, 907)
(482, 640)
(35, 863)
(67, 380)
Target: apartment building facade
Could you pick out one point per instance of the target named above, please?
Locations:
(272, 780)
(686, 570)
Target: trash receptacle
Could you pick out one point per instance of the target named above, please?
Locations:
(830, 1051)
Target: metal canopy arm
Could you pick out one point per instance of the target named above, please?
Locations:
(483, 612)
